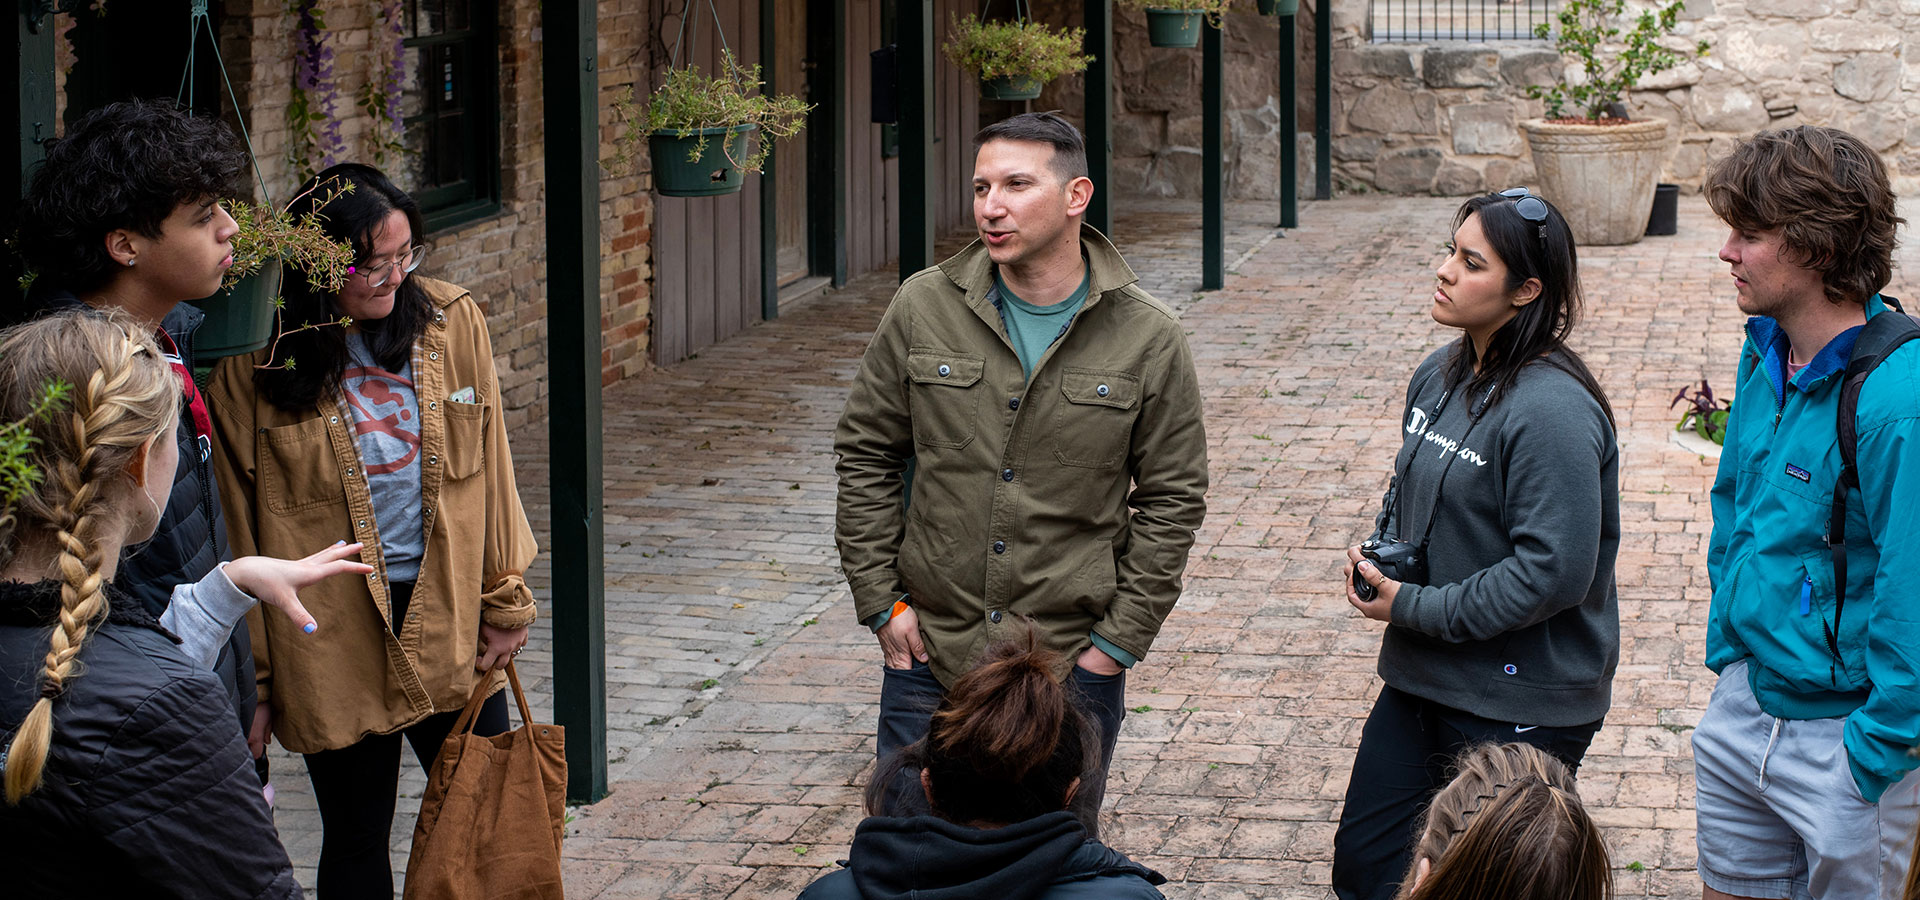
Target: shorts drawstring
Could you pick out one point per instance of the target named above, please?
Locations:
(1771, 739)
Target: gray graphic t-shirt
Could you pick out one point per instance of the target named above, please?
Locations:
(386, 428)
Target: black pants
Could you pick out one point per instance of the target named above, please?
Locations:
(909, 696)
(1402, 762)
(355, 788)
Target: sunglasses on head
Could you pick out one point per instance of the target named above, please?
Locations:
(1530, 207)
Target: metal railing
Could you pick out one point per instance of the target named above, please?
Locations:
(1400, 21)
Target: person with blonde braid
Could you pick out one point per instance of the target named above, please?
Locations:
(123, 774)
(1509, 826)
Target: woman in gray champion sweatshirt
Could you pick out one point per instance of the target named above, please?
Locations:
(1507, 481)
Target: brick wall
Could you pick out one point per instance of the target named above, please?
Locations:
(502, 258)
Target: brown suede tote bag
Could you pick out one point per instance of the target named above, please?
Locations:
(491, 819)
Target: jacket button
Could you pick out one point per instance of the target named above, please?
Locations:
(999, 546)
(433, 404)
(1101, 390)
(945, 371)
(349, 470)
(1006, 474)
(333, 420)
(434, 355)
(994, 617)
(363, 523)
(433, 460)
(1013, 402)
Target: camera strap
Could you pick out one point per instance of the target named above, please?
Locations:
(1473, 418)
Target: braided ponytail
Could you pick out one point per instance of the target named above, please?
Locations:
(126, 400)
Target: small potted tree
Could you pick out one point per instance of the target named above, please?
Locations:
(1595, 162)
(1176, 23)
(1014, 59)
(699, 128)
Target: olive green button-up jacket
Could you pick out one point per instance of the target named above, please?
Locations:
(1072, 499)
(292, 483)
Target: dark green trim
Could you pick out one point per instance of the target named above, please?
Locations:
(1289, 124)
(459, 204)
(827, 139)
(914, 26)
(571, 94)
(1099, 112)
(769, 185)
(467, 213)
(1213, 225)
(31, 101)
(1322, 102)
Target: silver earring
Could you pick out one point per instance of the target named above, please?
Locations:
(129, 261)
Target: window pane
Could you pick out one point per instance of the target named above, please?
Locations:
(411, 15)
(452, 150)
(413, 86)
(413, 170)
(457, 17)
(433, 17)
(453, 77)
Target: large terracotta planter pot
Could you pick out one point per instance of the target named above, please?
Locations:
(1600, 176)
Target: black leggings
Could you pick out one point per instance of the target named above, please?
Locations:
(355, 788)
(1402, 761)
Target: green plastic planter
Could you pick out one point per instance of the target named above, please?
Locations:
(1010, 87)
(712, 175)
(238, 320)
(1173, 27)
(1279, 7)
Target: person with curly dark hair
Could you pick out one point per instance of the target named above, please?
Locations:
(1804, 782)
(125, 215)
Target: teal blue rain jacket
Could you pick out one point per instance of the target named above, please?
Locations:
(1773, 596)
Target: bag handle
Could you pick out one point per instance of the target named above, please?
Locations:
(468, 716)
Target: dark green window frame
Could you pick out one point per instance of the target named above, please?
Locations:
(461, 117)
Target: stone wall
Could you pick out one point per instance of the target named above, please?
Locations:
(502, 258)
(1157, 112)
(1443, 118)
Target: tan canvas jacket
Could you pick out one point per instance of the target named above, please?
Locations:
(1021, 491)
(291, 483)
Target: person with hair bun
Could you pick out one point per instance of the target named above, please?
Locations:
(1509, 826)
(1004, 755)
(123, 773)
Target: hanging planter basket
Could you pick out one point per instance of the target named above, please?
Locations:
(240, 319)
(1278, 7)
(1174, 27)
(1010, 87)
(677, 172)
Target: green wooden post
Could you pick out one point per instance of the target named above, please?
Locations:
(769, 185)
(31, 102)
(827, 139)
(1213, 227)
(1098, 20)
(1323, 101)
(571, 92)
(914, 28)
(1289, 125)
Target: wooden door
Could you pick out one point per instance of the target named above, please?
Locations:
(792, 71)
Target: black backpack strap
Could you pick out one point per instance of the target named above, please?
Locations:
(1882, 335)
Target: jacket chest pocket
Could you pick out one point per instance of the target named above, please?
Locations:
(943, 397)
(466, 439)
(298, 468)
(1094, 427)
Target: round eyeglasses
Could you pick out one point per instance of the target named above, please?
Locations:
(378, 274)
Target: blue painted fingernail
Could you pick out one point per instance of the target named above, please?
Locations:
(309, 627)
(338, 543)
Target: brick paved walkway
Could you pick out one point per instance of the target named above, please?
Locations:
(744, 697)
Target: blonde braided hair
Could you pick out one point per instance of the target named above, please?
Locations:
(1509, 824)
(127, 397)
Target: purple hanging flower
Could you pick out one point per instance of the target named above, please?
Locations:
(316, 128)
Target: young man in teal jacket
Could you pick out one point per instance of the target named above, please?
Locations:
(1806, 786)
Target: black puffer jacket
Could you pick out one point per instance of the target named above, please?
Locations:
(148, 791)
(192, 536)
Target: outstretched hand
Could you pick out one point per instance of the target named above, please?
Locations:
(277, 582)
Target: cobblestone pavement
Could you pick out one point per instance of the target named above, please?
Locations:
(743, 696)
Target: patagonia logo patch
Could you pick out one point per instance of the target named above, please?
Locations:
(1799, 473)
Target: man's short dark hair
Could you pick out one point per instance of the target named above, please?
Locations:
(1827, 193)
(125, 165)
(1069, 149)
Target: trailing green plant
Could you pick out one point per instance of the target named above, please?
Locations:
(690, 100)
(267, 234)
(1215, 10)
(18, 474)
(1028, 49)
(1704, 415)
(1612, 60)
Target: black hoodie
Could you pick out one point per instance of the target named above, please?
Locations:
(928, 858)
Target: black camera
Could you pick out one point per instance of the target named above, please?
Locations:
(1396, 559)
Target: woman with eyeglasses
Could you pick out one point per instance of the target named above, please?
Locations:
(388, 431)
(1492, 558)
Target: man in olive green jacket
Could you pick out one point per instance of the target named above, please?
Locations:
(1045, 412)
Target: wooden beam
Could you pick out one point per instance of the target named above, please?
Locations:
(1098, 22)
(1289, 123)
(570, 69)
(1213, 225)
(914, 33)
